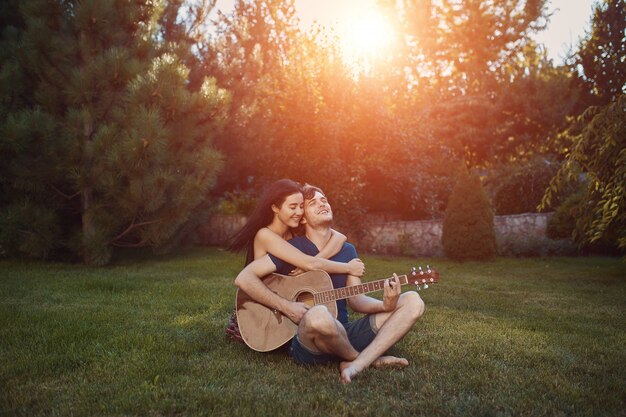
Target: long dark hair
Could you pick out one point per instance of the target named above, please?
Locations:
(262, 215)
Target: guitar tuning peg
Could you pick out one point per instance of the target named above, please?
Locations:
(421, 271)
(413, 271)
(417, 288)
(425, 286)
(428, 269)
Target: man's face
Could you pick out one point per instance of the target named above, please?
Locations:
(317, 210)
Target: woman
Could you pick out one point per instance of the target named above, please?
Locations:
(275, 220)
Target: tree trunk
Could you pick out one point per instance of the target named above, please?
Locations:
(88, 222)
(89, 229)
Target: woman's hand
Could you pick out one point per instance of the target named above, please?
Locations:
(297, 271)
(356, 267)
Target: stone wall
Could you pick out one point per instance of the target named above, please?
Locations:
(403, 237)
(424, 237)
(396, 237)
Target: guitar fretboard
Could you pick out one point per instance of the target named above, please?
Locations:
(351, 291)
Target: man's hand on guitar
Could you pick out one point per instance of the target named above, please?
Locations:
(356, 267)
(391, 294)
(295, 311)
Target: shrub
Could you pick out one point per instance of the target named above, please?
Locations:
(237, 202)
(468, 230)
(562, 225)
(518, 187)
(563, 222)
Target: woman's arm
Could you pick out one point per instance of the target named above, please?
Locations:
(333, 246)
(280, 248)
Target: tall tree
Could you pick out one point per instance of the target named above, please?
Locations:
(391, 131)
(310, 118)
(465, 46)
(246, 53)
(106, 143)
(488, 92)
(600, 56)
(597, 138)
(599, 155)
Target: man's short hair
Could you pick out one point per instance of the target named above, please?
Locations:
(308, 191)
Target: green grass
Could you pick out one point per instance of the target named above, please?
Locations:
(145, 336)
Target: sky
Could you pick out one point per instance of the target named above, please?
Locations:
(567, 25)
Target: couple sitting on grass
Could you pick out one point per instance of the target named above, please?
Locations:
(273, 244)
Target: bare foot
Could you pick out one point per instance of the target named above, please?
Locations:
(348, 371)
(385, 361)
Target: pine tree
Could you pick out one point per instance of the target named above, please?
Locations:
(105, 143)
(468, 230)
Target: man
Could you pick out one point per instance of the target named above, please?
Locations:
(320, 337)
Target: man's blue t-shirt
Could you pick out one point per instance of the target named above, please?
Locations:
(346, 254)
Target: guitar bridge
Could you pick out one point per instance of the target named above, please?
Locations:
(278, 315)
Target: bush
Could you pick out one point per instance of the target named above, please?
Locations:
(237, 202)
(563, 222)
(468, 230)
(519, 187)
(562, 225)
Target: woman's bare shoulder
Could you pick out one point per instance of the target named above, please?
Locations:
(266, 235)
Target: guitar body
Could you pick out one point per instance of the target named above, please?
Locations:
(264, 329)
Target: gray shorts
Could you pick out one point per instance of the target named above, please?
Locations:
(360, 332)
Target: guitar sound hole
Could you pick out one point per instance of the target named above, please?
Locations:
(306, 298)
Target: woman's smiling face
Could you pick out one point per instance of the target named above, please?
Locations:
(291, 211)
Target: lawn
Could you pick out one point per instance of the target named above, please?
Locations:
(513, 337)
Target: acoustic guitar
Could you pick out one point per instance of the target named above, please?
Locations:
(264, 329)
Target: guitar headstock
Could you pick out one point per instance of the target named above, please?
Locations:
(422, 277)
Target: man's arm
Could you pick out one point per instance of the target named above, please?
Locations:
(249, 281)
(367, 305)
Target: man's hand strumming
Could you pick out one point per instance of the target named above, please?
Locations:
(295, 311)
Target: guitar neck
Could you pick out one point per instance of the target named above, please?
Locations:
(353, 290)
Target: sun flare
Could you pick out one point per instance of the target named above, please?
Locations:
(365, 36)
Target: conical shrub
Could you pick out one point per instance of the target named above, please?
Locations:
(468, 230)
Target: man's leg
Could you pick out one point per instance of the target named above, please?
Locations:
(319, 331)
(392, 327)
